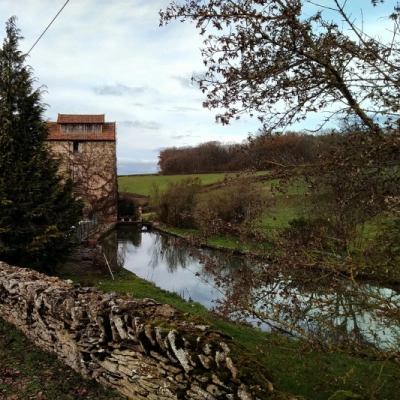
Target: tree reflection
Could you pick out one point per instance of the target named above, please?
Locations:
(129, 234)
(321, 306)
(174, 252)
(112, 257)
(126, 237)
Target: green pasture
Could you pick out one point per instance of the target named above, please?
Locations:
(143, 184)
(288, 205)
(284, 206)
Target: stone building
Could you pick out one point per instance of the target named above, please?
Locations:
(87, 146)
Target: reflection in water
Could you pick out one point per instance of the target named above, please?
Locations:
(321, 308)
(315, 305)
(111, 257)
(326, 313)
(176, 268)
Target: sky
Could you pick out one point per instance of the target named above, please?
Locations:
(113, 58)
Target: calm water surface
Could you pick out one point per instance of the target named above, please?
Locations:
(176, 267)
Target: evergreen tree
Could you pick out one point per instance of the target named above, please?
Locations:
(37, 205)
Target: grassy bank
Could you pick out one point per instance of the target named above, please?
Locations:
(27, 372)
(296, 367)
(284, 207)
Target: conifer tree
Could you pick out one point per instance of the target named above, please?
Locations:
(37, 205)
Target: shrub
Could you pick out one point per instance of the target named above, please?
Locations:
(176, 205)
(231, 208)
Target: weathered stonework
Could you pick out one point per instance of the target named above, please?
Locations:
(141, 348)
(86, 146)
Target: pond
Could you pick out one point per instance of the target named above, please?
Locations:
(315, 307)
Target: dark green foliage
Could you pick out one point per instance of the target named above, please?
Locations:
(127, 206)
(37, 206)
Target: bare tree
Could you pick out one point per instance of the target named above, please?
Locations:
(279, 61)
(283, 59)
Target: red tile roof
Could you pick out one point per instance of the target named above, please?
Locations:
(108, 131)
(80, 119)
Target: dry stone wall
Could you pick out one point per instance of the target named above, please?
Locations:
(141, 348)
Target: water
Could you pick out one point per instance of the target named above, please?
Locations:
(176, 268)
(329, 310)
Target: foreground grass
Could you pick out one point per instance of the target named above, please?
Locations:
(297, 367)
(27, 372)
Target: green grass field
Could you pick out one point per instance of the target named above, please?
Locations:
(290, 204)
(142, 184)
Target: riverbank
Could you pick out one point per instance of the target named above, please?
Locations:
(190, 237)
(305, 371)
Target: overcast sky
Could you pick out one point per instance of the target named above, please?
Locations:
(111, 57)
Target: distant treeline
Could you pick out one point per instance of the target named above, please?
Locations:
(261, 152)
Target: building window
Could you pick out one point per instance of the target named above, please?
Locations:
(81, 128)
(76, 147)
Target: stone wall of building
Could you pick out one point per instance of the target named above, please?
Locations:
(141, 348)
(93, 169)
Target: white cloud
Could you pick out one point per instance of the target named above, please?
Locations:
(118, 90)
(112, 58)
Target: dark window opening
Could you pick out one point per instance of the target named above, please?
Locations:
(76, 147)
